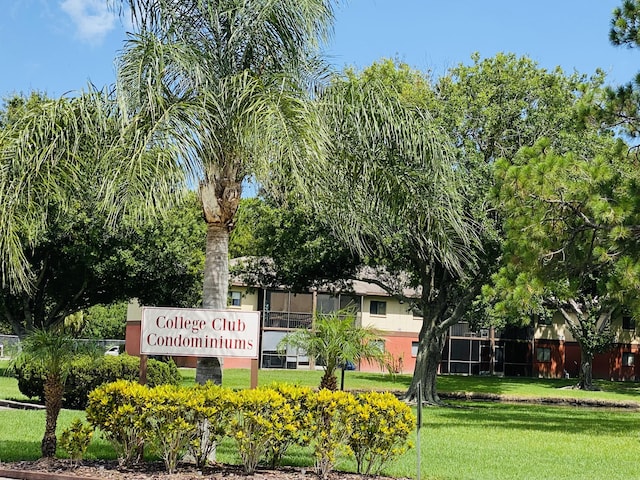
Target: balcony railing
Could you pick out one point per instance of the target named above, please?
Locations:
(462, 330)
(289, 320)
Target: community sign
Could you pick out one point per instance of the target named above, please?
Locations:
(199, 332)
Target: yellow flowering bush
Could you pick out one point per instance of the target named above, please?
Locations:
(330, 426)
(116, 409)
(381, 427)
(262, 417)
(213, 409)
(170, 420)
(373, 427)
(299, 399)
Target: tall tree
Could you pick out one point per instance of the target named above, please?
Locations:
(490, 109)
(71, 258)
(620, 106)
(393, 195)
(221, 85)
(571, 245)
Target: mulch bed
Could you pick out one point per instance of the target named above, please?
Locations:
(55, 469)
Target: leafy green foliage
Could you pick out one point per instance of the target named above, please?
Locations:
(381, 427)
(299, 400)
(262, 416)
(569, 240)
(290, 247)
(105, 321)
(117, 409)
(619, 107)
(330, 427)
(71, 255)
(493, 108)
(335, 339)
(213, 412)
(85, 373)
(624, 24)
(75, 439)
(170, 422)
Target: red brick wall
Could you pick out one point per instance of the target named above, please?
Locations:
(399, 346)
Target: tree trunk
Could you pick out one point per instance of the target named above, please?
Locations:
(586, 370)
(589, 325)
(214, 292)
(53, 392)
(431, 341)
(329, 380)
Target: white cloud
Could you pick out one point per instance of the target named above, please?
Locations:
(92, 18)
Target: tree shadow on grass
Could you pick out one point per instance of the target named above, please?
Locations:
(381, 381)
(566, 419)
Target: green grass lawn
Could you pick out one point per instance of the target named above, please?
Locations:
(467, 440)
(516, 387)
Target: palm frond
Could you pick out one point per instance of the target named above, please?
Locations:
(390, 177)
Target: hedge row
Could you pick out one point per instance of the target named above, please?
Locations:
(372, 427)
(87, 373)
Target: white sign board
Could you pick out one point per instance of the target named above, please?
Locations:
(199, 332)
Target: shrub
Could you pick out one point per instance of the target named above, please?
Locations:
(75, 439)
(381, 427)
(84, 375)
(170, 421)
(330, 426)
(262, 416)
(30, 376)
(160, 372)
(117, 410)
(263, 422)
(87, 373)
(213, 413)
(299, 400)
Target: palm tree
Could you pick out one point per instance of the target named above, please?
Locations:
(54, 350)
(44, 145)
(222, 87)
(399, 200)
(54, 155)
(336, 340)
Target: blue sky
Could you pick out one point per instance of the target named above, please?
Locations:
(57, 46)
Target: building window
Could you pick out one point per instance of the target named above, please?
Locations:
(543, 354)
(378, 308)
(628, 359)
(379, 344)
(235, 299)
(350, 302)
(628, 322)
(414, 349)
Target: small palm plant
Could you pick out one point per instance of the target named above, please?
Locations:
(336, 340)
(55, 350)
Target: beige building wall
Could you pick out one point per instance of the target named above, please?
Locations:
(396, 319)
(558, 330)
(134, 311)
(249, 299)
